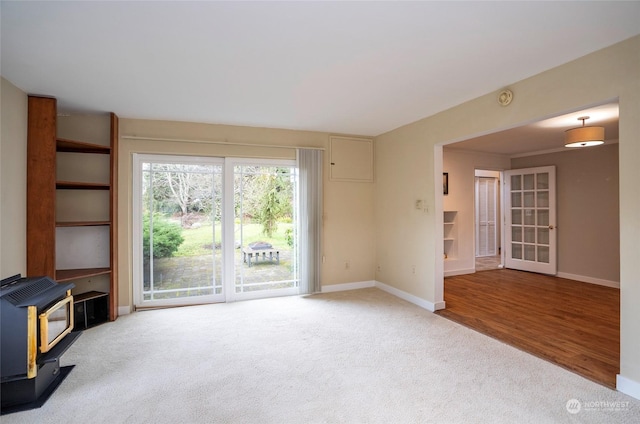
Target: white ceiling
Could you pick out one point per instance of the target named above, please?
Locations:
(342, 67)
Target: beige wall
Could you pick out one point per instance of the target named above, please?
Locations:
(348, 207)
(408, 160)
(461, 166)
(13, 181)
(588, 213)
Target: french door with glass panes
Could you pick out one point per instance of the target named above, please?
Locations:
(213, 229)
(530, 219)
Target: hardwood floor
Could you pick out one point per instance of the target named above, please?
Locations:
(573, 324)
(485, 263)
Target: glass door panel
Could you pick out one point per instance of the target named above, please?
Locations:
(265, 233)
(180, 214)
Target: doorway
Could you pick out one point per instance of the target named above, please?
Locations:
(487, 220)
(581, 232)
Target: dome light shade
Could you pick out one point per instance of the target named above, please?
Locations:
(584, 136)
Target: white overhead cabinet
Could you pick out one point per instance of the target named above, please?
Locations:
(351, 159)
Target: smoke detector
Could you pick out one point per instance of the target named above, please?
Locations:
(505, 97)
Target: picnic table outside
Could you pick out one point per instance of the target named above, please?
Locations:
(249, 252)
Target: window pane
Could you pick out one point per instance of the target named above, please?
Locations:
(529, 252)
(543, 235)
(543, 181)
(181, 230)
(529, 199)
(516, 182)
(516, 216)
(516, 200)
(516, 250)
(543, 217)
(543, 199)
(529, 181)
(516, 233)
(543, 254)
(529, 234)
(529, 217)
(264, 205)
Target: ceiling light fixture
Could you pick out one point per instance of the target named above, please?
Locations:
(583, 136)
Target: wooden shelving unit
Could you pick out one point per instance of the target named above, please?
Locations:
(43, 146)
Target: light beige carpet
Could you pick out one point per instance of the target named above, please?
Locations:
(361, 356)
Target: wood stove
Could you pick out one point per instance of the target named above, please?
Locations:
(36, 325)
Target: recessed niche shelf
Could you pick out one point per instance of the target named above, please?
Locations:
(450, 230)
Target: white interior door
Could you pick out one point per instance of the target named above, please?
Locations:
(530, 219)
(486, 216)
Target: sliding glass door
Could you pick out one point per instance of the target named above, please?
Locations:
(213, 229)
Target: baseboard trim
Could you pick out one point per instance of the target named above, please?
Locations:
(628, 386)
(459, 272)
(590, 280)
(348, 286)
(124, 310)
(425, 304)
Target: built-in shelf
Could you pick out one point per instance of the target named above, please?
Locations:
(74, 185)
(71, 146)
(82, 223)
(73, 274)
(90, 308)
(72, 224)
(450, 245)
(83, 297)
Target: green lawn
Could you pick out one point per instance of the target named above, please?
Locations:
(198, 241)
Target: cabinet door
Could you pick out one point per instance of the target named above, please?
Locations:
(351, 159)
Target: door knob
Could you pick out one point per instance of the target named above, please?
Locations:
(551, 227)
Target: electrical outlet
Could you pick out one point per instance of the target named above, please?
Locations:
(413, 269)
(347, 264)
